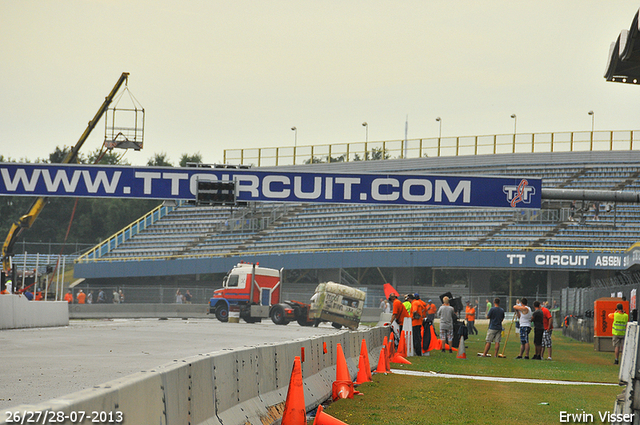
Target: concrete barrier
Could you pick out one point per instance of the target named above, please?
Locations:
(138, 311)
(152, 311)
(231, 387)
(18, 312)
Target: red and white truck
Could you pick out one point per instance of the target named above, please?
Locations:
(255, 292)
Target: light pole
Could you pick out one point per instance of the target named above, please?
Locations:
(295, 142)
(439, 132)
(515, 126)
(366, 132)
(593, 117)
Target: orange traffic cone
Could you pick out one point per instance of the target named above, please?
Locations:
(326, 419)
(295, 412)
(438, 344)
(342, 389)
(434, 340)
(343, 385)
(387, 357)
(363, 376)
(397, 358)
(342, 370)
(365, 353)
(402, 345)
(387, 344)
(390, 343)
(382, 362)
(461, 353)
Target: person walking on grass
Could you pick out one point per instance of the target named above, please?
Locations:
(494, 333)
(620, 319)
(445, 314)
(470, 313)
(537, 318)
(548, 330)
(525, 327)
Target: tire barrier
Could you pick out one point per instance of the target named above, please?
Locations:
(230, 387)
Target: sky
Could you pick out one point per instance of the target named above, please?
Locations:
(215, 75)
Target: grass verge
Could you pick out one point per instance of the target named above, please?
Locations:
(397, 399)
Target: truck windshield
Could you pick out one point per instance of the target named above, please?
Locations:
(232, 280)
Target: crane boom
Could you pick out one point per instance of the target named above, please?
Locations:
(36, 208)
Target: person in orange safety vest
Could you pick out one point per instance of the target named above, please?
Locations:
(398, 315)
(470, 313)
(418, 314)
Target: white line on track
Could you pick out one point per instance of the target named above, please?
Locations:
(495, 378)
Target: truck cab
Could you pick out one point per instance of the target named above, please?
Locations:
(250, 289)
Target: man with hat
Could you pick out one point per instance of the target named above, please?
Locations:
(398, 313)
(470, 313)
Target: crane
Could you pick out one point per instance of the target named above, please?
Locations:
(26, 221)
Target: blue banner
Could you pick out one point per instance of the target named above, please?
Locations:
(254, 185)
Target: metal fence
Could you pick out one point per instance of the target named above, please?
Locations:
(161, 294)
(436, 147)
(578, 301)
(167, 294)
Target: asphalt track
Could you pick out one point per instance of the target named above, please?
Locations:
(43, 363)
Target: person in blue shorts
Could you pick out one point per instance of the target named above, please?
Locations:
(525, 326)
(494, 333)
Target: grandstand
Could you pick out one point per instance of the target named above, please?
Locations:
(196, 231)
(186, 240)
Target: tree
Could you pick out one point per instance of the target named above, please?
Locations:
(314, 160)
(196, 157)
(58, 155)
(340, 158)
(160, 160)
(375, 155)
(9, 159)
(379, 153)
(110, 157)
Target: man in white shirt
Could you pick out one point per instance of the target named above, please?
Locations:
(525, 327)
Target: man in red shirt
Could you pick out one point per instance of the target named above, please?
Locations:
(548, 330)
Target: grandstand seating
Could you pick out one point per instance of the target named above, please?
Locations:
(211, 231)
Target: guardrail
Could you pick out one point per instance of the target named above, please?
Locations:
(573, 141)
(245, 385)
(125, 234)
